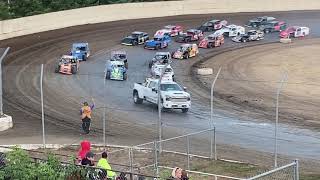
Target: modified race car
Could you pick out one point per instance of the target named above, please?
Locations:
(232, 30)
(186, 51)
(190, 35)
(252, 35)
(115, 70)
(295, 31)
(163, 32)
(273, 26)
(213, 40)
(81, 51)
(135, 38)
(158, 42)
(213, 25)
(160, 57)
(259, 21)
(119, 56)
(174, 29)
(67, 65)
(157, 70)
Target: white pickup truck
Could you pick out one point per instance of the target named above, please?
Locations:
(173, 96)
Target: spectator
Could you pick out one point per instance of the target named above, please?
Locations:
(103, 163)
(184, 175)
(122, 176)
(88, 160)
(85, 148)
(175, 174)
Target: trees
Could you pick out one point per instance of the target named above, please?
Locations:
(22, 8)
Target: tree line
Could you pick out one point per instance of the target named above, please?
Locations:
(20, 8)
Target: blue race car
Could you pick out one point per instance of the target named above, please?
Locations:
(158, 42)
(80, 51)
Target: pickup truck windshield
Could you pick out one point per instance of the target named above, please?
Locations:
(170, 87)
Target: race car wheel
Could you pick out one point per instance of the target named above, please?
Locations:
(57, 69)
(185, 56)
(136, 98)
(187, 40)
(173, 79)
(210, 45)
(157, 47)
(134, 43)
(266, 31)
(108, 75)
(125, 76)
(150, 64)
(244, 40)
(126, 65)
(184, 110)
(73, 70)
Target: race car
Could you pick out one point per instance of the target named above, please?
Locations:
(160, 57)
(232, 30)
(135, 38)
(252, 35)
(119, 56)
(174, 29)
(158, 42)
(295, 31)
(213, 25)
(115, 70)
(163, 32)
(214, 40)
(186, 51)
(157, 69)
(67, 65)
(273, 26)
(81, 51)
(259, 21)
(190, 35)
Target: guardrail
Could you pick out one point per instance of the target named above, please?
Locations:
(115, 12)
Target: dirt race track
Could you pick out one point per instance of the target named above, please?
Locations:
(130, 124)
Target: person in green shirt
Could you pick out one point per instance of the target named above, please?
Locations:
(104, 164)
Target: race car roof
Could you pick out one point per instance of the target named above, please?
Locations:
(118, 52)
(162, 53)
(138, 32)
(186, 45)
(79, 44)
(116, 62)
(67, 57)
(169, 26)
(192, 30)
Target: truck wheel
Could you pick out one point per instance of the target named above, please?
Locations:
(73, 70)
(136, 98)
(184, 110)
(108, 75)
(125, 76)
(57, 69)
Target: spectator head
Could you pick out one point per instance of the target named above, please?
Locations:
(104, 155)
(176, 173)
(90, 156)
(85, 104)
(85, 148)
(184, 175)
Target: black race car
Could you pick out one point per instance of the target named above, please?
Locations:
(252, 35)
(213, 25)
(259, 21)
(190, 35)
(273, 26)
(135, 38)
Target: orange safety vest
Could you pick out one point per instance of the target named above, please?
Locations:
(86, 112)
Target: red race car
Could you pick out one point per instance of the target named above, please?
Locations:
(67, 65)
(213, 40)
(174, 29)
(295, 31)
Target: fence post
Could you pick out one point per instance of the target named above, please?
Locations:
(188, 152)
(296, 170)
(215, 143)
(156, 159)
(42, 108)
(131, 162)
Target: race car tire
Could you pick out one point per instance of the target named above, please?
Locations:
(185, 110)
(73, 70)
(134, 43)
(173, 79)
(57, 69)
(84, 57)
(125, 76)
(136, 98)
(266, 31)
(254, 25)
(244, 40)
(187, 40)
(150, 64)
(157, 47)
(210, 45)
(185, 56)
(108, 75)
(126, 65)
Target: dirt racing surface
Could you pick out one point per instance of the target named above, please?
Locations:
(250, 78)
(127, 123)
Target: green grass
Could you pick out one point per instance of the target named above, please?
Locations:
(310, 177)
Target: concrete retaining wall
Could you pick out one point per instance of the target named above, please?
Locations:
(107, 13)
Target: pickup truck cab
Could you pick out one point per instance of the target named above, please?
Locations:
(173, 96)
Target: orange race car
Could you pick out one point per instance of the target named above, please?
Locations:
(67, 65)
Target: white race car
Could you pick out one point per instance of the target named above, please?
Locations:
(157, 69)
(232, 30)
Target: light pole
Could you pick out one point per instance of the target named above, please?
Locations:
(104, 109)
(1, 59)
(211, 117)
(283, 79)
(159, 107)
(42, 108)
